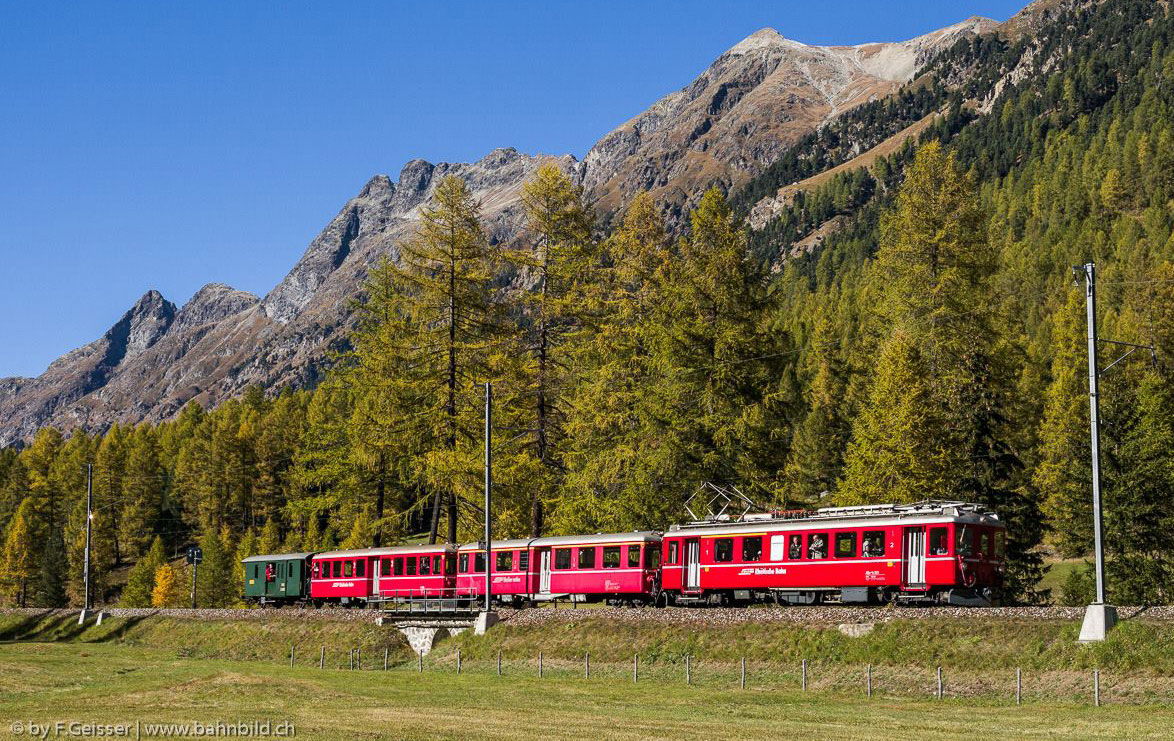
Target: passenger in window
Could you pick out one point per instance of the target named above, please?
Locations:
(817, 548)
(873, 546)
(795, 548)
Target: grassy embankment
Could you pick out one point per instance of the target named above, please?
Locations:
(979, 657)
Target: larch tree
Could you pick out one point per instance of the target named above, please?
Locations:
(140, 582)
(19, 565)
(558, 251)
(143, 491)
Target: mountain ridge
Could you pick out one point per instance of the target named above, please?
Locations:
(749, 104)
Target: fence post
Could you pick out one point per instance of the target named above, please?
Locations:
(586, 665)
(385, 658)
(540, 665)
(1018, 686)
(291, 655)
(688, 672)
(635, 667)
(869, 681)
(458, 661)
(322, 657)
(351, 657)
(1096, 687)
(939, 683)
(804, 675)
(359, 658)
(420, 663)
(743, 672)
(499, 662)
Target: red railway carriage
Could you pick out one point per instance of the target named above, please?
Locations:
(375, 574)
(931, 551)
(512, 571)
(618, 567)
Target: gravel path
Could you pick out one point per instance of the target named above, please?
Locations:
(670, 616)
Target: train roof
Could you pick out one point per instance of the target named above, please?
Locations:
(499, 544)
(642, 535)
(911, 514)
(278, 557)
(388, 551)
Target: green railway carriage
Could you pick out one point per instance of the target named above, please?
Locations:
(277, 579)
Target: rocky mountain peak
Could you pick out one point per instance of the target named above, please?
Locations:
(213, 302)
(138, 329)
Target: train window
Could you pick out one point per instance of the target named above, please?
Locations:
(314, 572)
(752, 548)
(385, 568)
(938, 545)
(523, 560)
(795, 546)
(361, 567)
(337, 569)
(398, 567)
(464, 563)
(348, 569)
(845, 545)
(280, 570)
(817, 545)
(425, 565)
(723, 550)
(674, 551)
(450, 564)
(985, 545)
(587, 558)
(651, 557)
(505, 561)
(479, 562)
(965, 544)
(874, 543)
(634, 556)
(999, 544)
(562, 558)
(611, 557)
(411, 565)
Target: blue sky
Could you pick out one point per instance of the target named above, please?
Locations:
(168, 145)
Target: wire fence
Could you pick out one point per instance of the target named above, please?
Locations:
(874, 681)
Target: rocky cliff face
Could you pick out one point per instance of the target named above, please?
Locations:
(750, 104)
(724, 127)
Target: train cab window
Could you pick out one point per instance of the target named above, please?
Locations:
(999, 544)
(651, 557)
(505, 561)
(611, 557)
(464, 563)
(985, 550)
(410, 564)
(817, 545)
(587, 558)
(425, 565)
(562, 558)
(752, 548)
(385, 567)
(523, 560)
(479, 562)
(634, 556)
(723, 550)
(845, 545)
(348, 569)
(361, 567)
(965, 541)
(938, 544)
(674, 552)
(874, 543)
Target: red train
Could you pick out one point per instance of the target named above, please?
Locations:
(930, 552)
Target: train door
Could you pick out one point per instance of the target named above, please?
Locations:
(914, 561)
(375, 574)
(692, 564)
(544, 571)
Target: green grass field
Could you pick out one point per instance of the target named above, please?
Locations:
(111, 683)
